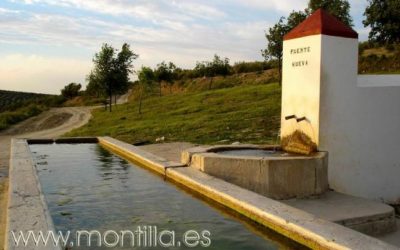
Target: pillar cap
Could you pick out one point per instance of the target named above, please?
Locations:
(321, 23)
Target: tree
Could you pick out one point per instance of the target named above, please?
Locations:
(146, 80)
(274, 48)
(383, 16)
(165, 73)
(220, 66)
(71, 90)
(200, 69)
(217, 66)
(124, 67)
(94, 88)
(295, 18)
(337, 8)
(111, 70)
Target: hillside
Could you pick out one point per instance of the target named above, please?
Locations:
(18, 106)
(10, 100)
(247, 113)
(379, 59)
(188, 85)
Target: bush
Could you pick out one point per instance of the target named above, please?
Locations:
(390, 47)
(71, 90)
(246, 67)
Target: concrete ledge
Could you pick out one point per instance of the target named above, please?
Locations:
(295, 224)
(366, 216)
(278, 177)
(27, 209)
(158, 164)
(187, 154)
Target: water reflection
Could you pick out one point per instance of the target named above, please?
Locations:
(88, 188)
(111, 166)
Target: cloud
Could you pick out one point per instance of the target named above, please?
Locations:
(198, 10)
(35, 73)
(147, 10)
(363, 33)
(8, 11)
(229, 38)
(283, 6)
(46, 29)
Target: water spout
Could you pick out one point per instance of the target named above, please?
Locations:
(290, 117)
(301, 119)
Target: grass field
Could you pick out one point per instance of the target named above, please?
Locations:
(248, 113)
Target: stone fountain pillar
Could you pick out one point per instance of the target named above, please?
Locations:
(356, 120)
(318, 55)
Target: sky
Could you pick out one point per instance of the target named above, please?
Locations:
(46, 44)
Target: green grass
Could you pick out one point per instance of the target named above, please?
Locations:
(243, 113)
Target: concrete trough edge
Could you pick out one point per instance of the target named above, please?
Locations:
(27, 208)
(157, 164)
(293, 223)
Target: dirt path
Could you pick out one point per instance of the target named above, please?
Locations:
(124, 98)
(49, 124)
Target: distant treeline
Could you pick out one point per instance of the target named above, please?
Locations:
(219, 67)
(169, 73)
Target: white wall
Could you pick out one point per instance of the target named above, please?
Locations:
(360, 126)
(378, 81)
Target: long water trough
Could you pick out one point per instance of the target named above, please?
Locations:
(84, 186)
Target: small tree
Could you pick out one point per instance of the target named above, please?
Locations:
(111, 70)
(71, 90)
(383, 16)
(213, 68)
(165, 73)
(94, 88)
(200, 69)
(274, 48)
(123, 68)
(294, 19)
(171, 75)
(218, 67)
(146, 80)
